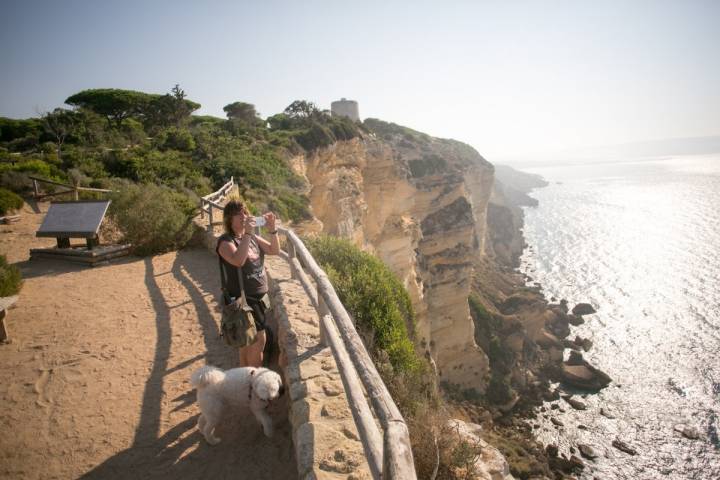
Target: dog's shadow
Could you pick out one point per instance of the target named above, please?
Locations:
(181, 451)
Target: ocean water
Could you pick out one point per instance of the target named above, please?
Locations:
(641, 242)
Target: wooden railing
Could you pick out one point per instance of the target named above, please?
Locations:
(389, 455)
(210, 202)
(74, 189)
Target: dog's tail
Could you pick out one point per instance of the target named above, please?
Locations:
(206, 376)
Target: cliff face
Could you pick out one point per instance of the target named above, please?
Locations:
(421, 205)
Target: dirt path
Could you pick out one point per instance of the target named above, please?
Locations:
(95, 383)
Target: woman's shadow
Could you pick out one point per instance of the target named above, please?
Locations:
(181, 452)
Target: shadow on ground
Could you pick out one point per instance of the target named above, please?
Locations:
(181, 452)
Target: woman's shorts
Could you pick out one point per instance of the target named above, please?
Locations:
(259, 309)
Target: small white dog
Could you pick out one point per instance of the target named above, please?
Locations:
(238, 387)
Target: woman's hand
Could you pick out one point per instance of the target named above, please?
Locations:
(270, 219)
(249, 224)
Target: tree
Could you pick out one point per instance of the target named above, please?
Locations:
(241, 111)
(171, 109)
(302, 109)
(60, 123)
(115, 104)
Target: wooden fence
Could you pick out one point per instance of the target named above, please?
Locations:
(210, 202)
(74, 189)
(389, 455)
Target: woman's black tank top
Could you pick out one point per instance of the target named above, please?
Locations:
(253, 271)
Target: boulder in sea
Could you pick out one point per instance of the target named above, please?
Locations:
(585, 376)
(547, 340)
(564, 305)
(607, 413)
(587, 451)
(574, 402)
(624, 447)
(576, 358)
(575, 320)
(688, 431)
(583, 309)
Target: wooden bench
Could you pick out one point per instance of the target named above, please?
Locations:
(5, 304)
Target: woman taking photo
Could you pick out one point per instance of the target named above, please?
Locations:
(242, 252)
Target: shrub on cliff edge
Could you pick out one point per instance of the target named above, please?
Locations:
(9, 201)
(373, 296)
(152, 218)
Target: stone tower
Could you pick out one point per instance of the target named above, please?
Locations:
(345, 108)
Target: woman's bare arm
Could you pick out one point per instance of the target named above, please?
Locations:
(273, 246)
(235, 255)
(270, 248)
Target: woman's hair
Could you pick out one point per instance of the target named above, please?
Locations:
(232, 208)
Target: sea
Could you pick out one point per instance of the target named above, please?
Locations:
(640, 241)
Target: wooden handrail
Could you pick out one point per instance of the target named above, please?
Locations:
(72, 188)
(397, 453)
(208, 203)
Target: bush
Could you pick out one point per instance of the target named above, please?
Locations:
(152, 218)
(373, 296)
(10, 278)
(9, 201)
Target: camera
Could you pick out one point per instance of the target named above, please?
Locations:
(259, 221)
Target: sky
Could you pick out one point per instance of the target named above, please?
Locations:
(511, 78)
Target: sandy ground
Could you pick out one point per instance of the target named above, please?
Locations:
(95, 384)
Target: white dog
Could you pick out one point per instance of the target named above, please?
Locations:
(239, 387)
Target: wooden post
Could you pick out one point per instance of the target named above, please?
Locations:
(322, 311)
(36, 190)
(3, 330)
(76, 194)
(291, 255)
(202, 209)
(210, 218)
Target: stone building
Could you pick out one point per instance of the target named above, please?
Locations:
(345, 108)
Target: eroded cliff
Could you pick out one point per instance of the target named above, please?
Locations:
(419, 203)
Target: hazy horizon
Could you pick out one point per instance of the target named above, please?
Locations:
(511, 80)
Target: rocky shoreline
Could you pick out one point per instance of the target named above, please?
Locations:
(539, 377)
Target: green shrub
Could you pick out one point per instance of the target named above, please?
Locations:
(10, 278)
(9, 201)
(152, 218)
(373, 296)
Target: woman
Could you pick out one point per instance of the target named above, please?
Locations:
(241, 251)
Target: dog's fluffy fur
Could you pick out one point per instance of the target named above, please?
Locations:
(238, 387)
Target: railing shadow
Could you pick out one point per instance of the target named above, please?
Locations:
(181, 452)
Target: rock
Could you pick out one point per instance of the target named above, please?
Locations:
(575, 403)
(604, 411)
(490, 464)
(552, 450)
(548, 340)
(571, 345)
(624, 447)
(583, 309)
(575, 320)
(585, 376)
(554, 406)
(582, 427)
(564, 305)
(688, 432)
(556, 422)
(586, 344)
(587, 451)
(576, 358)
